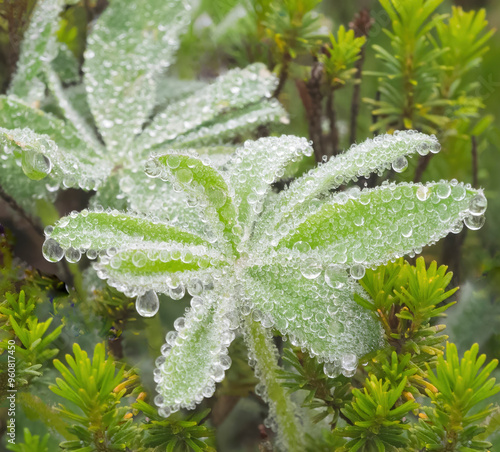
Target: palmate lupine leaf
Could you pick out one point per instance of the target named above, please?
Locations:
(121, 78)
(299, 272)
(129, 47)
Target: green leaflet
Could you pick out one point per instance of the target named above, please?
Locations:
(73, 162)
(258, 164)
(201, 182)
(159, 266)
(102, 231)
(83, 128)
(195, 356)
(129, 47)
(238, 123)
(234, 90)
(317, 316)
(38, 47)
(371, 227)
(359, 161)
(134, 191)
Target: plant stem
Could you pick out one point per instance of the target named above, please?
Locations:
(281, 407)
(331, 147)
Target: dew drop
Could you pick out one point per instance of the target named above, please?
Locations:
(310, 268)
(302, 247)
(107, 123)
(423, 193)
(335, 328)
(457, 227)
(332, 370)
(357, 271)
(474, 222)
(184, 175)
(177, 293)
(349, 361)
(458, 192)
(73, 255)
(334, 276)
(52, 251)
(478, 204)
(443, 190)
(35, 165)
(217, 197)
(400, 164)
(195, 287)
(147, 305)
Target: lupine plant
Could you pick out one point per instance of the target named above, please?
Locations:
(180, 208)
(258, 260)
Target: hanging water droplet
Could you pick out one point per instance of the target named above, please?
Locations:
(357, 271)
(73, 255)
(52, 251)
(147, 305)
(457, 227)
(474, 222)
(332, 370)
(177, 293)
(349, 361)
(35, 165)
(478, 204)
(195, 287)
(400, 164)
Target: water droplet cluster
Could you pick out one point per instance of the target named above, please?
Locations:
(316, 312)
(127, 51)
(64, 157)
(38, 48)
(234, 90)
(361, 160)
(347, 229)
(195, 357)
(256, 166)
(239, 123)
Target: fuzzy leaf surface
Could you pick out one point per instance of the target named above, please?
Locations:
(198, 357)
(359, 161)
(236, 89)
(130, 45)
(373, 226)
